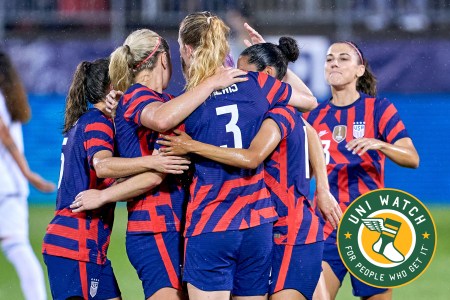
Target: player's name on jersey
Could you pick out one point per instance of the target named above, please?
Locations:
(231, 89)
(387, 238)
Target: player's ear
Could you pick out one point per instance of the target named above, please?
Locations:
(164, 60)
(269, 70)
(188, 50)
(361, 70)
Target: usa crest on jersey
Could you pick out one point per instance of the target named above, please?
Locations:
(94, 287)
(358, 129)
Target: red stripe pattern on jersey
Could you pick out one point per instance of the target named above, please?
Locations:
(287, 177)
(159, 210)
(82, 236)
(351, 175)
(225, 198)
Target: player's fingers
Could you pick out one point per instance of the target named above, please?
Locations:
(78, 196)
(350, 145)
(238, 72)
(180, 161)
(77, 210)
(250, 29)
(241, 79)
(338, 211)
(358, 147)
(164, 143)
(247, 43)
(76, 204)
(364, 149)
(336, 218)
(330, 219)
(167, 137)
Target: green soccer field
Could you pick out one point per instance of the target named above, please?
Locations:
(433, 284)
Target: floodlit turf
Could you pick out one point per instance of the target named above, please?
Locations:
(433, 284)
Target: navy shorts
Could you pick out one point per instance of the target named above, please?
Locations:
(238, 261)
(157, 259)
(73, 278)
(296, 267)
(360, 289)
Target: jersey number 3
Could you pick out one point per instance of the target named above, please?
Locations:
(232, 125)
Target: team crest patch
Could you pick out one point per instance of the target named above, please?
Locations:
(358, 129)
(94, 287)
(339, 133)
(387, 238)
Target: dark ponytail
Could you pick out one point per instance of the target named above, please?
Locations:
(276, 56)
(90, 84)
(368, 82)
(289, 48)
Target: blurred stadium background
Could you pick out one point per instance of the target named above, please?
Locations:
(407, 43)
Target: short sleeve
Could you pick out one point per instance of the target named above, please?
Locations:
(275, 91)
(98, 136)
(390, 126)
(284, 116)
(136, 101)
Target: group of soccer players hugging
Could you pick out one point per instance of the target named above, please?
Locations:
(216, 180)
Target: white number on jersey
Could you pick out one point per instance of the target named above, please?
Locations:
(61, 170)
(326, 148)
(306, 154)
(232, 125)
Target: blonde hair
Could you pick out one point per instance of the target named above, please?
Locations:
(208, 35)
(139, 51)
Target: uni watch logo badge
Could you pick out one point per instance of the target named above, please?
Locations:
(387, 238)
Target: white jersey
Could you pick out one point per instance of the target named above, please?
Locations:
(12, 181)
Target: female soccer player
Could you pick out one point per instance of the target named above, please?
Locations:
(142, 67)
(75, 244)
(230, 214)
(14, 177)
(358, 131)
(296, 264)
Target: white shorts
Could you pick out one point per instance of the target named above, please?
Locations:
(13, 216)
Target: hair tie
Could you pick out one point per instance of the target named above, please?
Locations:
(357, 51)
(151, 54)
(208, 20)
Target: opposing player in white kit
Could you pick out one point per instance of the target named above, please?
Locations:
(14, 177)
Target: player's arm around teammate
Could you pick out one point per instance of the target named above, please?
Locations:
(266, 140)
(82, 272)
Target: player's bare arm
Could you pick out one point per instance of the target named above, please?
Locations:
(35, 179)
(107, 166)
(123, 191)
(327, 204)
(262, 146)
(402, 152)
(162, 117)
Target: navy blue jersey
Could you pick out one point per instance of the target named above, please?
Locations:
(223, 197)
(351, 175)
(82, 236)
(160, 209)
(287, 177)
